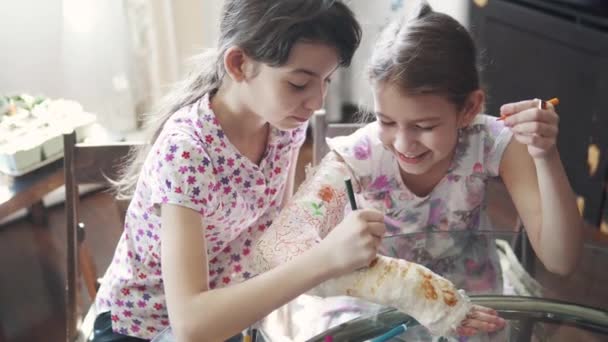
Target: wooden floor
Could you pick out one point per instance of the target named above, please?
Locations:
(32, 270)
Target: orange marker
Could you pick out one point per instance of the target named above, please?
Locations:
(543, 105)
(554, 102)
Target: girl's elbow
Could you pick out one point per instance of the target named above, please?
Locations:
(186, 327)
(564, 267)
(185, 330)
(191, 330)
(563, 270)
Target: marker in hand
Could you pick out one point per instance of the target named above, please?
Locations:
(543, 105)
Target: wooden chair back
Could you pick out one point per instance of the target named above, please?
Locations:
(84, 164)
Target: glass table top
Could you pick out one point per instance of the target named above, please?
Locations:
(538, 305)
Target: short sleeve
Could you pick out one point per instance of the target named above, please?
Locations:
(180, 172)
(496, 140)
(361, 151)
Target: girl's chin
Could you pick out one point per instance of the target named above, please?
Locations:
(414, 165)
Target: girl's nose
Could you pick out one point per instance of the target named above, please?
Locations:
(405, 142)
(316, 99)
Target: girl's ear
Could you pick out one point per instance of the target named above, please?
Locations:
(238, 65)
(473, 106)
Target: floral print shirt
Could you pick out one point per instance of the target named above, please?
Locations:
(193, 164)
(456, 204)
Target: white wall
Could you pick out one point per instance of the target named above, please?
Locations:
(30, 47)
(97, 61)
(459, 9)
(211, 13)
(81, 50)
(67, 48)
(154, 52)
(196, 27)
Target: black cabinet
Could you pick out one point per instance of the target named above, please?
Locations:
(545, 49)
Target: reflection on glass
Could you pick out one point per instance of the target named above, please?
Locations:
(486, 265)
(482, 262)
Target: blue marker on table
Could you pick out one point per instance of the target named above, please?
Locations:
(398, 330)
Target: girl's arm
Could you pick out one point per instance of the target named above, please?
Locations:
(316, 208)
(200, 314)
(535, 177)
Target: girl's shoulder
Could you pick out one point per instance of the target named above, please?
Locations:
(488, 125)
(481, 145)
(193, 120)
(191, 130)
(366, 135)
(361, 150)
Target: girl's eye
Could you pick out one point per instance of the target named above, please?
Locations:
(298, 86)
(426, 128)
(386, 123)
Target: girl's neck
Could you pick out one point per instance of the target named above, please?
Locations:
(245, 130)
(235, 118)
(423, 184)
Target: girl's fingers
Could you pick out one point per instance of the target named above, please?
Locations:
(490, 317)
(516, 107)
(535, 140)
(479, 325)
(480, 319)
(485, 319)
(490, 311)
(466, 331)
(540, 128)
(377, 229)
(377, 242)
(371, 215)
(533, 114)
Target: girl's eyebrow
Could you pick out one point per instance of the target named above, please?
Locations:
(310, 72)
(305, 71)
(382, 116)
(432, 118)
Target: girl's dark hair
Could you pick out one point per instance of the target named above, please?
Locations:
(266, 30)
(427, 52)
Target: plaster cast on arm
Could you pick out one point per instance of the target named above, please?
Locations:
(316, 208)
(412, 288)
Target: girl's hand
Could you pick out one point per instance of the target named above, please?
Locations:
(354, 242)
(535, 127)
(480, 319)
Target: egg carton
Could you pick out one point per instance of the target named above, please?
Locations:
(26, 155)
